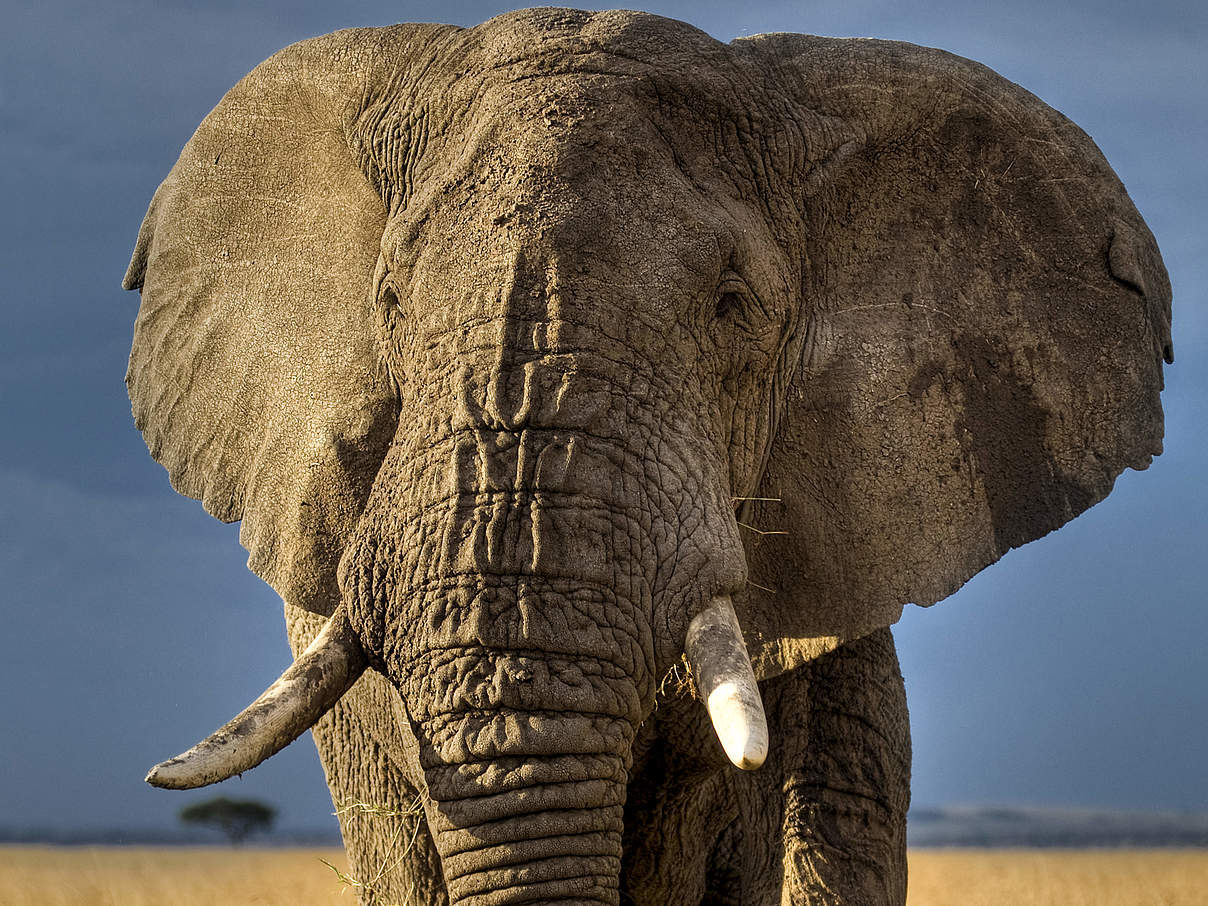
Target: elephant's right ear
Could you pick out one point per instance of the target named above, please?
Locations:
(987, 317)
(255, 374)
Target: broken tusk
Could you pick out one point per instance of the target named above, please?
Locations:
(724, 678)
(286, 709)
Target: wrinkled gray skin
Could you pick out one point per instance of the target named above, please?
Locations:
(489, 334)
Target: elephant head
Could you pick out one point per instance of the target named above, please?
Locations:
(539, 354)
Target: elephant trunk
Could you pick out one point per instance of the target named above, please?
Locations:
(527, 798)
(552, 836)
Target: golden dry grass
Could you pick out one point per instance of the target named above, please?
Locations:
(170, 876)
(129, 876)
(1023, 877)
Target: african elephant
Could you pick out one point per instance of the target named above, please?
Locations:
(575, 369)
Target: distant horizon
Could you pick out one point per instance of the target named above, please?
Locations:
(971, 826)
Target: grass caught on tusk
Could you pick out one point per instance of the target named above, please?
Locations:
(677, 679)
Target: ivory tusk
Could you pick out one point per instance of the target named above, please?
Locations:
(283, 712)
(724, 678)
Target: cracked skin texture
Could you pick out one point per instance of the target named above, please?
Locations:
(523, 341)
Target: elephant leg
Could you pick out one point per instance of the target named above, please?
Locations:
(824, 821)
(392, 858)
(679, 808)
(723, 884)
(846, 801)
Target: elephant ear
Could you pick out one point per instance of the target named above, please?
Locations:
(987, 313)
(255, 373)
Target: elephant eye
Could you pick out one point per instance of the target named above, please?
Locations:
(728, 306)
(387, 297)
(732, 298)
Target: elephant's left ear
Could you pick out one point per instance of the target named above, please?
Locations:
(255, 373)
(987, 315)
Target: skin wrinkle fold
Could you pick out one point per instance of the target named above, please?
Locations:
(586, 889)
(475, 810)
(494, 688)
(599, 869)
(509, 639)
(623, 383)
(452, 507)
(555, 822)
(459, 739)
(517, 852)
(501, 774)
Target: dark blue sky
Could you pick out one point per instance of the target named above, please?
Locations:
(1071, 673)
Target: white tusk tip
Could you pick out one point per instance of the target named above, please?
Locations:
(724, 678)
(740, 725)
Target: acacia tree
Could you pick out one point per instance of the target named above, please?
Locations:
(237, 818)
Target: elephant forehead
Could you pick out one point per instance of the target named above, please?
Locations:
(529, 43)
(570, 137)
(548, 216)
(600, 200)
(611, 125)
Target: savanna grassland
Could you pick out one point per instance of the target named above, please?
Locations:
(181, 876)
(129, 876)
(1056, 877)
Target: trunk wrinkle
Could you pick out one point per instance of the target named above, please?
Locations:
(589, 794)
(486, 714)
(503, 774)
(517, 734)
(566, 874)
(593, 844)
(564, 823)
(439, 656)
